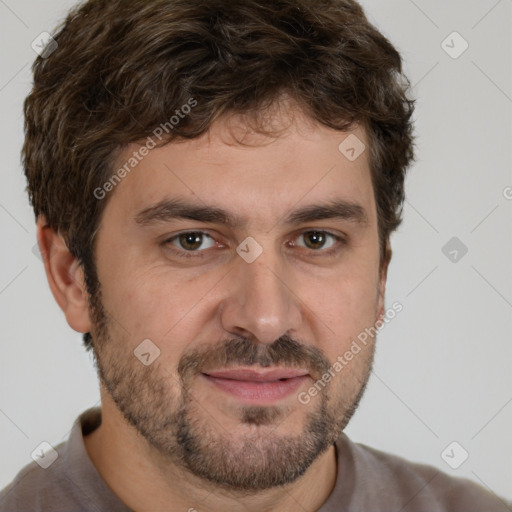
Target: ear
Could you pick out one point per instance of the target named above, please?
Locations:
(383, 274)
(65, 277)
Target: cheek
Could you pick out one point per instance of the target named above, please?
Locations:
(346, 306)
(159, 302)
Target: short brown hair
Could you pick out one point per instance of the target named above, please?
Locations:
(122, 67)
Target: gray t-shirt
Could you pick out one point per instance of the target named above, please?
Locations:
(368, 481)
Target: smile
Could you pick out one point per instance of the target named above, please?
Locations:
(257, 387)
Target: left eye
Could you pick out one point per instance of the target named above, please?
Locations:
(317, 239)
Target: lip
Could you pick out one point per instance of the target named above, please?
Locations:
(261, 387)
(251, 375)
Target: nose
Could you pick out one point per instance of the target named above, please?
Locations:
(261, 303)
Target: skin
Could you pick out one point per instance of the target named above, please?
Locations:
(193, 307)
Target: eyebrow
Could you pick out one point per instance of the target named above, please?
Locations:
(168, 210)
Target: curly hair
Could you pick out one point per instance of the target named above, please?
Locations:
(120, 68)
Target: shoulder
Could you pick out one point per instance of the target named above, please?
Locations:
(34, 488)
(414, 486)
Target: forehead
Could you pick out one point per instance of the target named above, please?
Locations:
(253, 176)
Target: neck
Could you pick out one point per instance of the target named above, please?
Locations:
(144, 481)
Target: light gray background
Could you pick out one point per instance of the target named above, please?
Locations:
(443, 365)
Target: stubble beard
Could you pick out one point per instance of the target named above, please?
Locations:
(162, 408)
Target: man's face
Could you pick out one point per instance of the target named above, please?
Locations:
(242, 335)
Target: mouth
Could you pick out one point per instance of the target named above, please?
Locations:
(257, 386)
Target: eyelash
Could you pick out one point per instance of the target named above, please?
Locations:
(200, 254)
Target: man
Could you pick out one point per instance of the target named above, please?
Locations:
(215, 185)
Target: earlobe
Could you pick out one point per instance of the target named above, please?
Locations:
(65, 277)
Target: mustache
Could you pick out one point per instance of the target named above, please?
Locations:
(242, 351)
